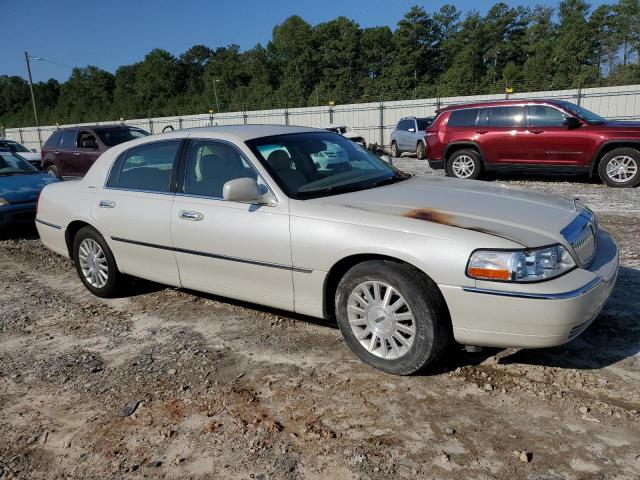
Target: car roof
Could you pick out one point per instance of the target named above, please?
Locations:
(500, 103)
(97, 127)
(250, 132)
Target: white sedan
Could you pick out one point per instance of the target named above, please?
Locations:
(404, 264)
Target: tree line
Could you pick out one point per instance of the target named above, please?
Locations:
(428, 54)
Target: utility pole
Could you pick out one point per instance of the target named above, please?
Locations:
(215, 92)
(33, 98)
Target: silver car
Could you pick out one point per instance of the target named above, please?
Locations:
(404, 264)
(408, 136)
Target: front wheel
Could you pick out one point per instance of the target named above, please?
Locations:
(620, 168)
(95, 263)
(464, 164)
(53, 171)
(392, 316)
(395, 152)
(421, 151)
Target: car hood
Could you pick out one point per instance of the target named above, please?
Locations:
(23, 188)
(527, 218)
(30, 156)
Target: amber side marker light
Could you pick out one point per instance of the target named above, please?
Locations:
(489, 274)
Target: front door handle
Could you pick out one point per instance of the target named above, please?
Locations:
(189, 215)
(106, 204)
(76, 153)
(536, 131)
(481, 131)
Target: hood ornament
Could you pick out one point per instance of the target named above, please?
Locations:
(576, 200)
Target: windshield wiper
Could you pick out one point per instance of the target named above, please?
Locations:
(398, 177)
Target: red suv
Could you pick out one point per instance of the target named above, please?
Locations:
(533, 135)
(70, 152)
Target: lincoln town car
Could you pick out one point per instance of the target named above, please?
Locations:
(404, 264)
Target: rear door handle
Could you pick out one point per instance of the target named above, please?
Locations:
(481, 131)
(106, 204)
(536, 131)
(189, 215)
(76, 153)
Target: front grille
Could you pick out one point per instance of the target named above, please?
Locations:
(581, 234)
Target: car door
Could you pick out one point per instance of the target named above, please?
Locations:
(64, 156)
(549, 141)
(500, 131)
(133, 209)
(233, 249)
(86, 153)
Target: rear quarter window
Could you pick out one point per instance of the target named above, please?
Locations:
(146, 168)
(463, 118)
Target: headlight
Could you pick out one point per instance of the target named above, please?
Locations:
(520, 265)
(3, 202)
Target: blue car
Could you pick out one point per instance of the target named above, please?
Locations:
(20, 184)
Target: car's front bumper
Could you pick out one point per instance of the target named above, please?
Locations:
(535, 315)
(17, 214)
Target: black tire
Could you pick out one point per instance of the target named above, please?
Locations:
(53, 171)
(421, 151)
(114, 277)
(463, 154)
(430, 315)
(631, 155)
(395, 151)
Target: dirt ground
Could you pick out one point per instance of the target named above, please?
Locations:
(168, 383)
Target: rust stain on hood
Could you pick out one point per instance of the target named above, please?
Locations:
(429, 215)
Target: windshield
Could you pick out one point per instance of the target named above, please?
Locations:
(589, 117)
(307, 165)
(8, 146)
(11, 164)
(116, 136)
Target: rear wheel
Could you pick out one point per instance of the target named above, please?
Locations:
(421, 151)
(620, 168)
(392, 316)
(464, 164)
(53, 171)
(395, 152)
(95, 263)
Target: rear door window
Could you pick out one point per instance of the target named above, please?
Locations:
(69, 139)
(502, 117)
(543, 116)
(463, 118)
(53, 140)
(146, 168)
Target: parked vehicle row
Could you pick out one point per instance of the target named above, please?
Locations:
(11, 146)
(525, 135)
(405, 264)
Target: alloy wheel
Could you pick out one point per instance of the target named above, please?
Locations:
(381, 320)
(621, 169)
(93, 263)
(463, 166)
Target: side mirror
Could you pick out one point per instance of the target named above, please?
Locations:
(245, 190)
(571, 122)
(412, 130)
(34, 150)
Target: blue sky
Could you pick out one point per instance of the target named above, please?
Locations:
(116, 32)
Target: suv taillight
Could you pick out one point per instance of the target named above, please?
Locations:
(431, 133)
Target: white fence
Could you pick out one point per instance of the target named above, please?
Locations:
(374, 121)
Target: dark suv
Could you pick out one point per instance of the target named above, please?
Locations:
(533, 135)
(70, 152)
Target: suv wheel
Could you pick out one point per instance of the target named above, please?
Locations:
(95, 263)
(421, 151)
(52, 170)
(464, 164)
(395, 152)
(620, 168)
(392, 316)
